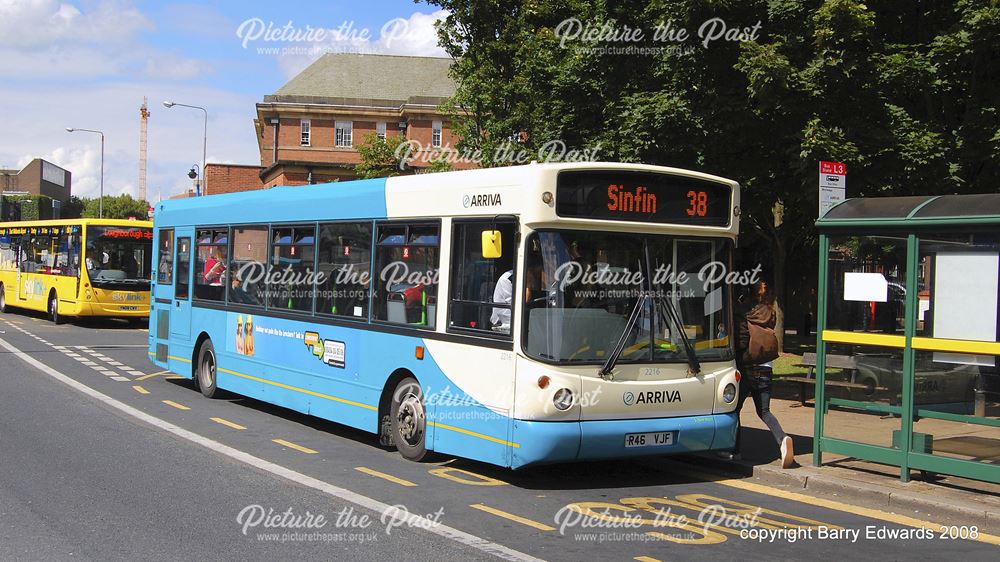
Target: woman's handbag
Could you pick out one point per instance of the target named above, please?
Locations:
(763, 345)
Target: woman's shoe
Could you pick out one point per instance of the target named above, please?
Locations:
(787, 453)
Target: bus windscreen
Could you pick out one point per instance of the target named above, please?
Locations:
(642, 197)
(120, 257)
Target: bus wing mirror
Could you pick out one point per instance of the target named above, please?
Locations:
(492, 244)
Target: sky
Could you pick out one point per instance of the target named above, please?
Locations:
(89, 63)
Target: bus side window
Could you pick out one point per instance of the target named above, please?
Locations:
(165, 259)
(406, 267)
(182, 289)
(482, 287)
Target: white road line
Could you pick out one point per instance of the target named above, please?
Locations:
(384, 510)
(121, 379)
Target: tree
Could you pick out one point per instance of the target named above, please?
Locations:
(391, 156)
(379, 157)
(117, 207)
(905, 93)
(72, 209)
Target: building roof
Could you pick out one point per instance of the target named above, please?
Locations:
(370, 80)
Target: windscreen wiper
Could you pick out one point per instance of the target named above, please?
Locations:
(694, 367)
(606, 371)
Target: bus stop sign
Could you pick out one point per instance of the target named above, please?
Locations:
(832, 185)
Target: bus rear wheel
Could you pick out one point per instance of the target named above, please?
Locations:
(54, 309)
(409, 422)
(207, 370)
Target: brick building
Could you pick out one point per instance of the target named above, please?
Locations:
(230, 178)
(39, 177)
(309, 130)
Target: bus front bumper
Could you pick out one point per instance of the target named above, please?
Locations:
(114, 310)
(548, 442)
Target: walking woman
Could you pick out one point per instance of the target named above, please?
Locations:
(757, 346)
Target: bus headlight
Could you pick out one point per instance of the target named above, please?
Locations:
(729, 393)
(563, 399)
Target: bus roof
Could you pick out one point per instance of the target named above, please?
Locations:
(511, 190)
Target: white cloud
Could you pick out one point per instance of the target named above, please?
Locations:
(174, 137)
(47, 38)
(29, 24)
(414, 36)
(168, 66)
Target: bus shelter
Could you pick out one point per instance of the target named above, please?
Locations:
(907, 369)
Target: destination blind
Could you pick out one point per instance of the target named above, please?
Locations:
(642, 197)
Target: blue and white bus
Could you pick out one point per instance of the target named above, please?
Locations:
(520, 315)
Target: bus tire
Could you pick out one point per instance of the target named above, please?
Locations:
(3, 299)
(409, 422)
(206, 373)
(54, 309)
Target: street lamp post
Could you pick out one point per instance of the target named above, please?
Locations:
(193, 174)
(100, 203)
(204, 140)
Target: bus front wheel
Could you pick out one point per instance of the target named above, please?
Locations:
(207, 381)
(409, 423)
(54, 309)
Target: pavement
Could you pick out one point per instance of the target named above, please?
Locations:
(956, 500)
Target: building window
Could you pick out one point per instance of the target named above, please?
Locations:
(380, 130)
(345, 133)
(305, 127)
(406, 261)
(436, 134)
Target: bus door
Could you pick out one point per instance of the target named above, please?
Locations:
(21, 259)
(180, 309)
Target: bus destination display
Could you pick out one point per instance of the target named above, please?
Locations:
(642, 197)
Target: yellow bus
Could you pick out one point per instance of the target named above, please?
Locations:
(77, 268)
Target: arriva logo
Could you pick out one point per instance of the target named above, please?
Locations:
(651, 397)
(483, 200)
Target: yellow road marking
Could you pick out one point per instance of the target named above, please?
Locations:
(383, 476)
(291, 445)
(450, 473)
(645, 559)
(151, 375)
(512, 517)
(175, 405)
(173, 378)
(840, 506)
(227, 423)
(139, 389)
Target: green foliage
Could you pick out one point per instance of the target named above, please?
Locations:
(33, 207)
(379, 157)
(438, 164)
(906, 93)
(73, 209)
(116, 207)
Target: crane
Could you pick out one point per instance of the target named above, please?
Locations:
(143, 122)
